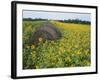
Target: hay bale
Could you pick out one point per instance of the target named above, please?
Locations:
(46, 32)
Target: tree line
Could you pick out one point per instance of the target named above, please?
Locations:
(36, 19)
(77, 21)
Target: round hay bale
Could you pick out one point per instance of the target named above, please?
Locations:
(47, 32)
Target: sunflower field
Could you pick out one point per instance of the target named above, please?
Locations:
(72, 50)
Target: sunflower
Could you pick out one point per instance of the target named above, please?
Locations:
(33, 46)
(40, 39)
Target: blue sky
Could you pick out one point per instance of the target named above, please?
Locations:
(56, 15)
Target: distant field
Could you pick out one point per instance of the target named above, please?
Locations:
(72, 50)
(71, 26)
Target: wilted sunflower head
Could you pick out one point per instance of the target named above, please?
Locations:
(40, 39)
